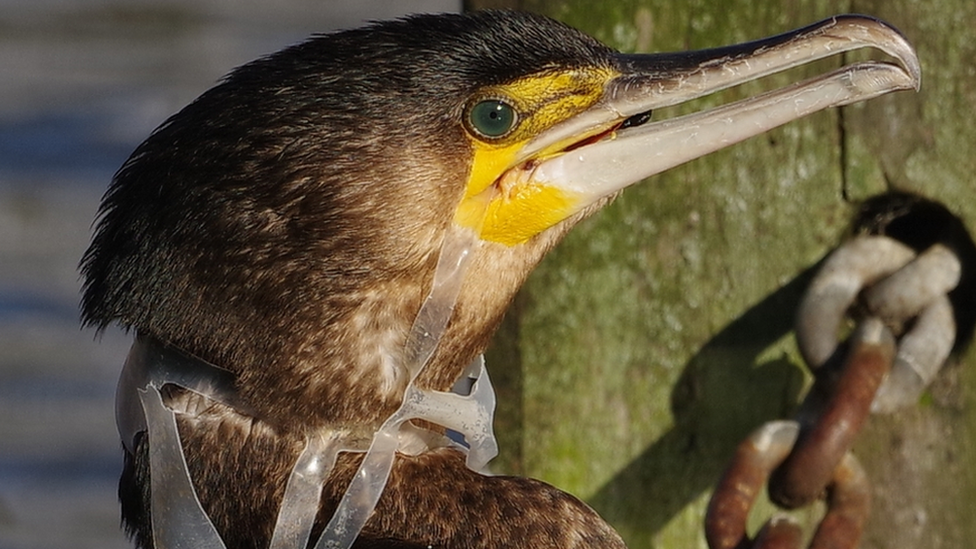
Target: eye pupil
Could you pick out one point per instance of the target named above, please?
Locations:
(492, 118)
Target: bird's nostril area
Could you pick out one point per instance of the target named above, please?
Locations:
(637, 120)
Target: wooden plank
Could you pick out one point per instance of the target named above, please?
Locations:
(652, 340)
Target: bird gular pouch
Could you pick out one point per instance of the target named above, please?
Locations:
(499, 201)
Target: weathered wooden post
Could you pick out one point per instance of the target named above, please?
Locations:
(659, 334)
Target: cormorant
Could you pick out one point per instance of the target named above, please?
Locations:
(284, 229)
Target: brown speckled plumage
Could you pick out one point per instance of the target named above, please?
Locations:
(285, 226)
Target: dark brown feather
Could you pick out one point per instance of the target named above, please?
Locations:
(285, 226)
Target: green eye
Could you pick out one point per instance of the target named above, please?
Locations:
(492, 118)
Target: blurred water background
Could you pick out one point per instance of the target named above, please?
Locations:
(82, 82)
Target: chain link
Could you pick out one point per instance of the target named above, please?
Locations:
(904, 332)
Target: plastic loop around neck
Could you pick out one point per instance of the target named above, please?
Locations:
(139, 407)
(184, 522)
(178, 517)
(469, 415)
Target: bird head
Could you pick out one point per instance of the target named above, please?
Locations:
(287, 224)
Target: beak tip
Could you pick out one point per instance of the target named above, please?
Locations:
(912, 68)
(915, 71)
(893, 42)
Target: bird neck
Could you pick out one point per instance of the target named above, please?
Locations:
(177, 513)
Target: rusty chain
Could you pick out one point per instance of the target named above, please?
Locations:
(904, 333)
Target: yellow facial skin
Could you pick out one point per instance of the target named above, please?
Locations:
(501, 200)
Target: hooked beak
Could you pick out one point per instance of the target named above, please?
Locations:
(627, 149)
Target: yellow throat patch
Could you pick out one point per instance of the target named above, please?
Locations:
(501, 201)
